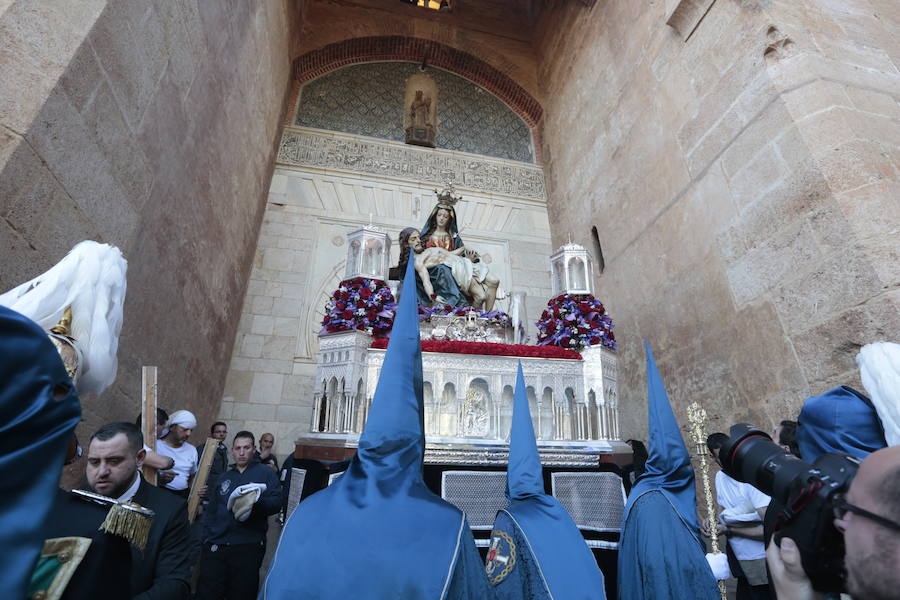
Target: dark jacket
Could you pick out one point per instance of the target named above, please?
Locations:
(162, 570)
(103, 574)
(220, 526)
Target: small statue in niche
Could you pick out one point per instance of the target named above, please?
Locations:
(420, 118)
(420, 111)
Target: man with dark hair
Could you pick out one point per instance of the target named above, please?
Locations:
(744, 509)
(869, 518)
(114, 458)
(785, 435)
(235, 525)
(218, 431)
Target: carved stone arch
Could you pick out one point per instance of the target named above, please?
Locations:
(322, 60)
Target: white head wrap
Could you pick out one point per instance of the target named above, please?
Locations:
(185, 418)
(879, 369)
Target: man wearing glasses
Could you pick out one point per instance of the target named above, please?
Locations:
(869, 518)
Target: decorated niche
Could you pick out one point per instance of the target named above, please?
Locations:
(420, 116)
(571, 270)
(368, 253)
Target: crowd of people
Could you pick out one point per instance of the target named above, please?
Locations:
(222, 551)
(379, 532)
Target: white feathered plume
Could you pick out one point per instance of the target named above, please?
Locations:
(90, 279)
(879, 369)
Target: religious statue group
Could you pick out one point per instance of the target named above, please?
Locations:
(448, 273)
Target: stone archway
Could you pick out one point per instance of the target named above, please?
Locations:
(401, 48)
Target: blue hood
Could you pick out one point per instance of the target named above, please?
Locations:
(668, 467)
(565, 564)
(840, 420)
(35, 430)
(377, 531)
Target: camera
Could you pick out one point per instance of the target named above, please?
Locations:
(802, 498)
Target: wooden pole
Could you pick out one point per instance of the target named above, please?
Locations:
(209, 452)
(148, 416)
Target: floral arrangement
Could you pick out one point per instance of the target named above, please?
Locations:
(360, 303)
(575, 321)
(489, 349)
(494, 317)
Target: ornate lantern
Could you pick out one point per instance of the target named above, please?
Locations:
(368, 253)
(571, 270)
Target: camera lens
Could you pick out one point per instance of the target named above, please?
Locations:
(751, 456)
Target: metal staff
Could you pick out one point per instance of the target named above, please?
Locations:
(697, 418)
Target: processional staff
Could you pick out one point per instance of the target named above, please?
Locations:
(697, 417)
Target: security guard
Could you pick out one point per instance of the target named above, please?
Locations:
(235, 525)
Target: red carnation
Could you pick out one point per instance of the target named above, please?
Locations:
(584, 307)
(556, 311)
(365, 292)
(326, 319)
(594, 340)
(347, 314)
(371, 314)
(551, 327)
(340, 305)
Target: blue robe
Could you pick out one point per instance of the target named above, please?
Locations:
(660, 553)
(677, 567)
(378, 532)
(536, 549)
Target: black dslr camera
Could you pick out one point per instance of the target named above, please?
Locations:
(802, 494)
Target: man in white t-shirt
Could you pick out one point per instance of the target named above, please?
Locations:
(741, 519)
(181, 424)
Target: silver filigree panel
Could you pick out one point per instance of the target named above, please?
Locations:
(594, 500)
(479, 494)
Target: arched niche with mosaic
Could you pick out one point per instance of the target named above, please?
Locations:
(369, 99)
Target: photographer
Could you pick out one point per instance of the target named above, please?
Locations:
(868, 516)
(744, 507)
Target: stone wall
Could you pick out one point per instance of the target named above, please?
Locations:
(742, 173)
(152, 126)
(326, 185)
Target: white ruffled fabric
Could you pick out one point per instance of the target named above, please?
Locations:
(879, 369)
(90, 279)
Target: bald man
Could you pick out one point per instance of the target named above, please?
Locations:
(870, 521)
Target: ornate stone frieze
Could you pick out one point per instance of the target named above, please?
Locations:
(307, 148)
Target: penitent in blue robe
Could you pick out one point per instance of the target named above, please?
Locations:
(536, 550)
(378, 532)
(661, 556)
(36, 426)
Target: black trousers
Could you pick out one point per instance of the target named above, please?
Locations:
(229, 572)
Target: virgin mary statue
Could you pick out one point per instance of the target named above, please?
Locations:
(442, 231)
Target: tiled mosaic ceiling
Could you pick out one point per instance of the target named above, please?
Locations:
(367, 99)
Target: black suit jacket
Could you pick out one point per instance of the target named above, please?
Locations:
(162, 570)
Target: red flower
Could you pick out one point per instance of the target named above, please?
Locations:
(325, 319)
(347, 314)
(340, 305)
(594, 340)
(584, 307)
(371, 314)
(551, 328)
(365, 292)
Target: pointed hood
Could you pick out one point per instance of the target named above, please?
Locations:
(668, 467)
(377, 531)
(565, 565)
(523, 475)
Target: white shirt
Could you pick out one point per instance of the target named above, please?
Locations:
(131, 491)
(186, 463)
(732, 494)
